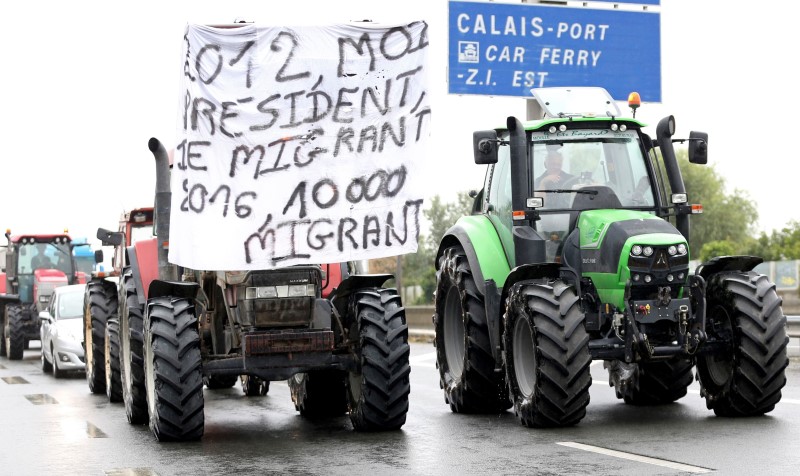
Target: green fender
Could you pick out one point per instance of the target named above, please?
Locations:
(485, 253)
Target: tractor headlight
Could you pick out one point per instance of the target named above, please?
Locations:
(672, 250)
(681, 249)
(648, 251)
(636, 250)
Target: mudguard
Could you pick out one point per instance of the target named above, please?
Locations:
(727, 263)
(143, 260)
(485, 253)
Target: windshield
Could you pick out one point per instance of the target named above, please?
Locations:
(141, 233)
(70, 305)
(607, 162)
(33, 256)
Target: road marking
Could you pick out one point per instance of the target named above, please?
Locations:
(2, 367)
(13, 380)
(635, 457)
(41, 399)
(131, 472)
(94, 432)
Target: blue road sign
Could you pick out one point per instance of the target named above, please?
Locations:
(502, 49)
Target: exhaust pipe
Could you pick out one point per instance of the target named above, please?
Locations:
(163, 204)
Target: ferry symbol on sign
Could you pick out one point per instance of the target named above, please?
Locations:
(468, 51)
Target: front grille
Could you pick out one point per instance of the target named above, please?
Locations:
(287, 341)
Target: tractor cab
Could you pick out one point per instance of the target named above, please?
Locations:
(37, 264)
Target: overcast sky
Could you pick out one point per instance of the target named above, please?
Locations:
(86, 84)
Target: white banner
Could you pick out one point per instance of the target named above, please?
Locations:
(299, 145)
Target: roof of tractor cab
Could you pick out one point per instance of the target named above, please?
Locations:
(545, 123)
(40, 238)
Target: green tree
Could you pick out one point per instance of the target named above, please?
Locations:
(726, 217)
(779, 245)
(717, 248)
(419, 268)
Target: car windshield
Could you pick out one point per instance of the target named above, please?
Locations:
(600, 159)
(70, 305)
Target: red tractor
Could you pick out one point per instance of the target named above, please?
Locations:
(34, 266)
(100, 305)
(342, 350)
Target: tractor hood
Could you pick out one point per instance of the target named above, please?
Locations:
(618, 246)
(606, 234)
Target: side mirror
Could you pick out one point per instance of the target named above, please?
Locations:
(484, 147)
(45, 316)
(698, 147)
(109, 238)
(98, 256)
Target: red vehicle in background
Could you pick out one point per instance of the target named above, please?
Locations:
(100, 313)
(34, 266)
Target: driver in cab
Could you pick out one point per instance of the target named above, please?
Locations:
(554, 176)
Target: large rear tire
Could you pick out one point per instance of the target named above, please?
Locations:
(112, 363)
(651, 383)
(547, 355)
(377, 393)
(14, 332)
(131, 327)
(99, 304)
(745, 310)
(319, 393)
(463, 350)
(174, 370)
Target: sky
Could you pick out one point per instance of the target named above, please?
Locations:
(85, 84)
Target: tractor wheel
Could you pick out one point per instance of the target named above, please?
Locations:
(220, 381)
(463, 351)
(131, 325)
(112, 372)
(47, 367)
(99, 303)
(257, 387)
(650, 383)
(377, 393)
(15, 332)
(546, 355)
(174, 370)
(744, 310)
(319, 393)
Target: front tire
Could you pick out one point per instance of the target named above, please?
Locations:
(15, 332)
(174, 370)
(546, 355)
(319, 393)
(131, 326)
(377, 392)
(745, 310)
(99, 304)
(112, 363)
(463, 349)
(47, 367)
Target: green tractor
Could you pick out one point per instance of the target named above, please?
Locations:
(577, 250)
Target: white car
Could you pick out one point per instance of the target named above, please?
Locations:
(62, 331)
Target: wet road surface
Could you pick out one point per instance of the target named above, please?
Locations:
(57, 427)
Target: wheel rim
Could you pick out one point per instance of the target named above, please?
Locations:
(719, 366)
(524, 357)
(454, 334)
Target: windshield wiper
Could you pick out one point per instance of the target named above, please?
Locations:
(566, 190)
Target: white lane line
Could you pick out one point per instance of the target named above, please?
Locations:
(635, 457)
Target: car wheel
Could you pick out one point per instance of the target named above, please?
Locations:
(47, 367)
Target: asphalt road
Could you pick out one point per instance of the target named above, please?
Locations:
(56, 427)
